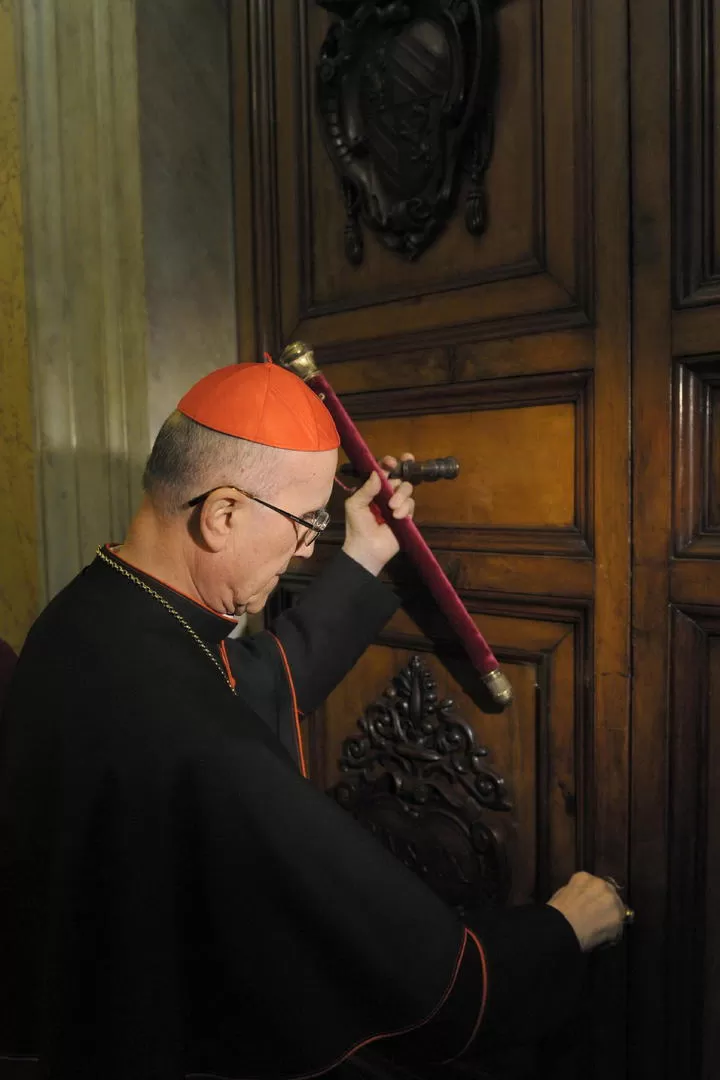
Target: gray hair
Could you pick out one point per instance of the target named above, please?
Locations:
(188, 459)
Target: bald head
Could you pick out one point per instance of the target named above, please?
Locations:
(188, 458)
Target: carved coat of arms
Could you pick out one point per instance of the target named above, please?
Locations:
(405, 90)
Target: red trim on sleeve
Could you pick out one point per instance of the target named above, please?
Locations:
(296, 714)
(385, 1035)
(483, 1003)
(388, 1035)
(433, 1014)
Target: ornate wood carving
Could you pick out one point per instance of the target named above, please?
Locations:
(417, 779)
(405, 92)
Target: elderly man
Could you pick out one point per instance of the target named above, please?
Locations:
(175, 898)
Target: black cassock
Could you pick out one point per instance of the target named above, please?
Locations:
(176, 899)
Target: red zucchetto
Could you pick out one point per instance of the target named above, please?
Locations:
(264, 404)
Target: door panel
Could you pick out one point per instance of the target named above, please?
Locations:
(518, 501)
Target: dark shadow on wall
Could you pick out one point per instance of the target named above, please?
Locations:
(187, 188)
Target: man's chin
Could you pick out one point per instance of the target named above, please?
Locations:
(255, 604)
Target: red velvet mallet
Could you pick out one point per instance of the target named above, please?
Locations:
(299, 358)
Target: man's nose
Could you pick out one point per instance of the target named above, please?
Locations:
(305, 550)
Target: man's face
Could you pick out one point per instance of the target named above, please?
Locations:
(260, 542)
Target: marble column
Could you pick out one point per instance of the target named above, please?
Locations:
(129, 247)
(18, 523)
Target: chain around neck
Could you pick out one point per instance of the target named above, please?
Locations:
(102, 554)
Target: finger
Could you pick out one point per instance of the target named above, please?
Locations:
(612, 886)
(613, 941)
(620, 931)
(365, 494)
(403, 492)
(388, 463)
(405, 511)
(582, 878)
(407, 457)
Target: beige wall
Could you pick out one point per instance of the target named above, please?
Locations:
(18, 533)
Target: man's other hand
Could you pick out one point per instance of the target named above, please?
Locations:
(593, 908)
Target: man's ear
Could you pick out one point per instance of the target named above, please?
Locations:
(217, 514)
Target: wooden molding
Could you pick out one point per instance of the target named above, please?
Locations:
(538, 322)
(696, 202)
(696, 404)
(692, 878)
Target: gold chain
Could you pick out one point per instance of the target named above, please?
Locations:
(168, 607)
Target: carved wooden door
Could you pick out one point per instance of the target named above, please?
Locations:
(508, 350)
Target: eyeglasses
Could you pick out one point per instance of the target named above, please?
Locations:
(315, 523)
